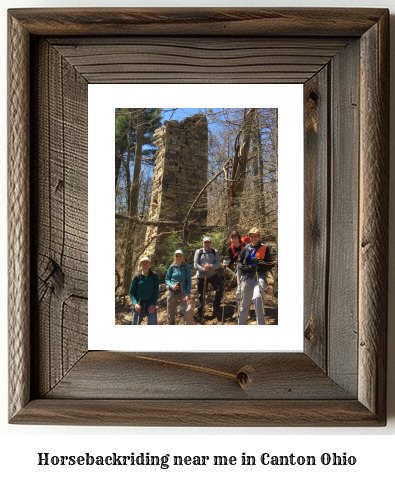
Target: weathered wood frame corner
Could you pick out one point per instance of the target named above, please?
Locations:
(342, 58)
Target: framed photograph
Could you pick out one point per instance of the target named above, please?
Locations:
(341, 59)
(281, 115)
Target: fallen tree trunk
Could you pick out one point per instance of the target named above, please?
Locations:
(150, 222)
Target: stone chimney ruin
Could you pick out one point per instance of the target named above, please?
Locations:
(179, 175)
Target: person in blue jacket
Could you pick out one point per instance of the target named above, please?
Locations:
(256, 261)
(178, 281)
(144, 293)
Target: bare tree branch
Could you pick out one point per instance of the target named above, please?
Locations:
(223, 170)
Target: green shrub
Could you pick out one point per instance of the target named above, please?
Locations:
(161, 269)
(174, 242)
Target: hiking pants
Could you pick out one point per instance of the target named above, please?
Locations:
(139, 316)
(172, 301)
(216, 284)
(252, 294)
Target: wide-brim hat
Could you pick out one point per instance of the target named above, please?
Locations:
(255, 230)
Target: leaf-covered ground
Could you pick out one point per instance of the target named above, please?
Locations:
(123, 312)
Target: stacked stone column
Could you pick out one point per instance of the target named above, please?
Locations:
(179, 175)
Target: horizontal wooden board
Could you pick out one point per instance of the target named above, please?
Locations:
(196, 375)
(201, 413)
(140, 60)
(147, 78)
(198, 21)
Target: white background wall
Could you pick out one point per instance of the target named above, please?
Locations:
(20, 445)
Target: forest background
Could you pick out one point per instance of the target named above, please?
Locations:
(241, 190)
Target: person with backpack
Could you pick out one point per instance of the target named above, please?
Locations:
(237, 245)
(178, 280)
(144, 293)
(256, 261)
(207, 263)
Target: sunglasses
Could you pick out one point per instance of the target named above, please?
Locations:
(253, 236)
(178, 255)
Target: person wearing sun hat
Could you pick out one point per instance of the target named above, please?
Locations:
(178, 281)
(207, 263)
(144, 293)
(256, 262)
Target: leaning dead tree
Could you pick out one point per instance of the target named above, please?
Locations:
(185, 225)
(240, 165)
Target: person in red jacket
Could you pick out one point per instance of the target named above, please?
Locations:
(237, 245)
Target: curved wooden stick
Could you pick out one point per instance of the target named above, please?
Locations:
(203, 295)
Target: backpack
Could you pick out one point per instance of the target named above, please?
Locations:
(185, 270)
(201, 252)
(244, 240)
(264, 266)
(263, 252)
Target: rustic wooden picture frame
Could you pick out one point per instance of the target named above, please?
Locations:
(342, 58)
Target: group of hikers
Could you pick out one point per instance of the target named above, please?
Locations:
(250, 257)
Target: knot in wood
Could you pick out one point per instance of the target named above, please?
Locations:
(313, 96)
(244, 376)
(308, 333)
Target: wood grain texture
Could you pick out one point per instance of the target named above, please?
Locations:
(373, 237)
(202, 413)
(199, 21)
(343, 241)
(224, 60)
(18, 218)
(314, 388)
(197, 376)
(61, 226)
(316, 215)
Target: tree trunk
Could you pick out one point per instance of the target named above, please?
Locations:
(275, 272)
(239, 167)
(133, 195)
(259, 180)
(137, 163)
(118, 161)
